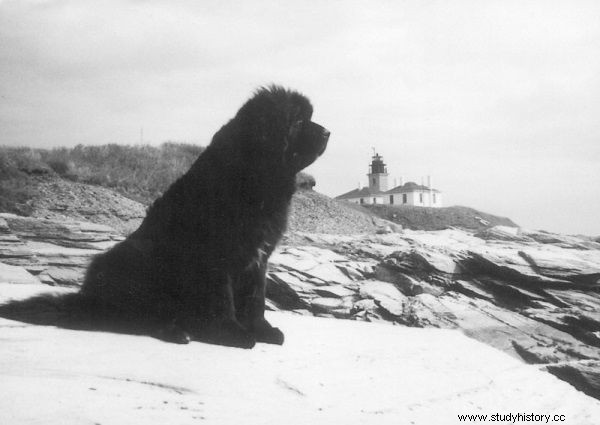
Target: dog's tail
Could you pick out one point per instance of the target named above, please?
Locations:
(71, 310)
(74, 311)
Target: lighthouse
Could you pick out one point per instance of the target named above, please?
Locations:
(378, 175)
(377, 191)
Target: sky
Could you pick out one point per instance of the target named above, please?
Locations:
(499, 101)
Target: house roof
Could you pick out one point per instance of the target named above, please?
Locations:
(410, 187)
(360, 193)
(365, 192)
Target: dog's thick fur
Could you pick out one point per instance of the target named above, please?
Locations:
(196, 266)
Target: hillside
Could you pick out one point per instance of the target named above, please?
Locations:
(47, 195)
(113, 185)
(54, 198)
(425, 218)
(316, 213)
(139, 172)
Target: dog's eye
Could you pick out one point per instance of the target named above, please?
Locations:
(295, 128)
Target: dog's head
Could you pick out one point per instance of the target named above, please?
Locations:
(277, 129)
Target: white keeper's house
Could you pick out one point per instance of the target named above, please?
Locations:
(377, 191)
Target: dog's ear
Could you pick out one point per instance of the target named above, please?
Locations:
(298, 116)
(295, 123)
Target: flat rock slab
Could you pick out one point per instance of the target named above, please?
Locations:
(16, 275)
(328, 371)
(334, 291)
(563, 263)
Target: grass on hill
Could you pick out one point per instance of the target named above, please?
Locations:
(139, 172)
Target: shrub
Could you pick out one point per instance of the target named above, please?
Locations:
(60, 167)
(305, 181)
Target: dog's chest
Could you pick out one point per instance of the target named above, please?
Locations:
(261, 255)
(258, 244)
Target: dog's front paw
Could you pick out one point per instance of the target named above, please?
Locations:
(270, 336)
(230, 333)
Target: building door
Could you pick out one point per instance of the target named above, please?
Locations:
(391, 199)
(404, 198)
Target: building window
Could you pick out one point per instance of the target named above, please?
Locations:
(391, 199)
(362, 201)
(421, 198)
(374, 181)
(404, 198)
(374, 200)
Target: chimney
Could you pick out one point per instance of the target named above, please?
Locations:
(401, 180)
(430, 191)
(359, 186)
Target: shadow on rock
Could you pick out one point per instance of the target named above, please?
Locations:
(69, 311)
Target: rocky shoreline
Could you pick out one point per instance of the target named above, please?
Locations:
(533, 295)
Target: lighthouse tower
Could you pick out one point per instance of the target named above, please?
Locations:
(378, 175)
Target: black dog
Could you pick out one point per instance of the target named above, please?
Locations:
(196, 266)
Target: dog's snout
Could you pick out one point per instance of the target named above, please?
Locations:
(319, 129)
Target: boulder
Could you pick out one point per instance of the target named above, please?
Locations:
(334, 291)
(506, 263)
(404, 282)
(57, 251)
(556, 263)
(562, 241)
(61, 232)
(356, 270)
(385, 295)
(426, 260)
(285, 289)
(334, 306)
(63, 276)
